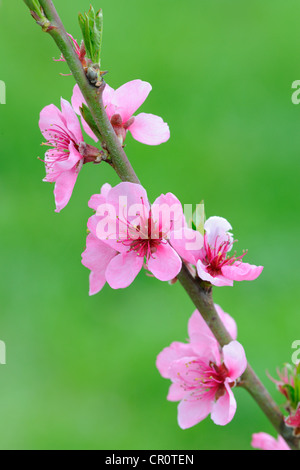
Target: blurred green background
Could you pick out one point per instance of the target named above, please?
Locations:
(80, 371)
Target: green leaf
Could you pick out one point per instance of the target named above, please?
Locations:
(34, 6)
(87, 116)
(290, 392)
(38, 14)
(91, 25)
(297, 389)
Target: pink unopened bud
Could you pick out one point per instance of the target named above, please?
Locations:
(117, 123)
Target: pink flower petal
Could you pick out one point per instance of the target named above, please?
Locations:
(242, 271)
(282, 444)
(165, 263)
(96, 257)
(123, 269)
(167, 213)
(228, 321)
(188, 243)
(134, 194)
(118, 213)
(235, 359)
(77, 99)
(176, 392)
(218, 281)
(108, 96)
(52, 172)
(50, 115)
(130, 205)
(72, 161)
(183, 369)
(202, 339)
(77, 102)
(150, 129)
(206, 347)
(217, 228)
(72, 120)
(99, 199)
(264, 441)
(105, 189)
(170, 354)
(224, 409)
(92, 225)
(105, 230)
(129, 97)
(197, 326)
(108, 221)
(64, 187)
(191, 411)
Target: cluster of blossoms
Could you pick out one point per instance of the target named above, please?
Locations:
(127, 233)
(68, 150)
(156, 236)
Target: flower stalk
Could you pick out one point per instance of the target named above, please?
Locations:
(200, 292)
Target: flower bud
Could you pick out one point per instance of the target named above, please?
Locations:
(117, 123)
(90, 153)
(38, 14)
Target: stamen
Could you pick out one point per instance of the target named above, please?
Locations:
(216, 257)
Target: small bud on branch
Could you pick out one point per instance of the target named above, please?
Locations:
(90, 153)
(38, 14)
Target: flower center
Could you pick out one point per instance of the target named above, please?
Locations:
(144, 238)
(121, 128)
(59, 140)
(216, 256)
(200, 379)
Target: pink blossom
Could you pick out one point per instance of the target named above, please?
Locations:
(264, 441)
(131, 234)
(202, 373)
(211, 258)
(120, 106)
(63, 161)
